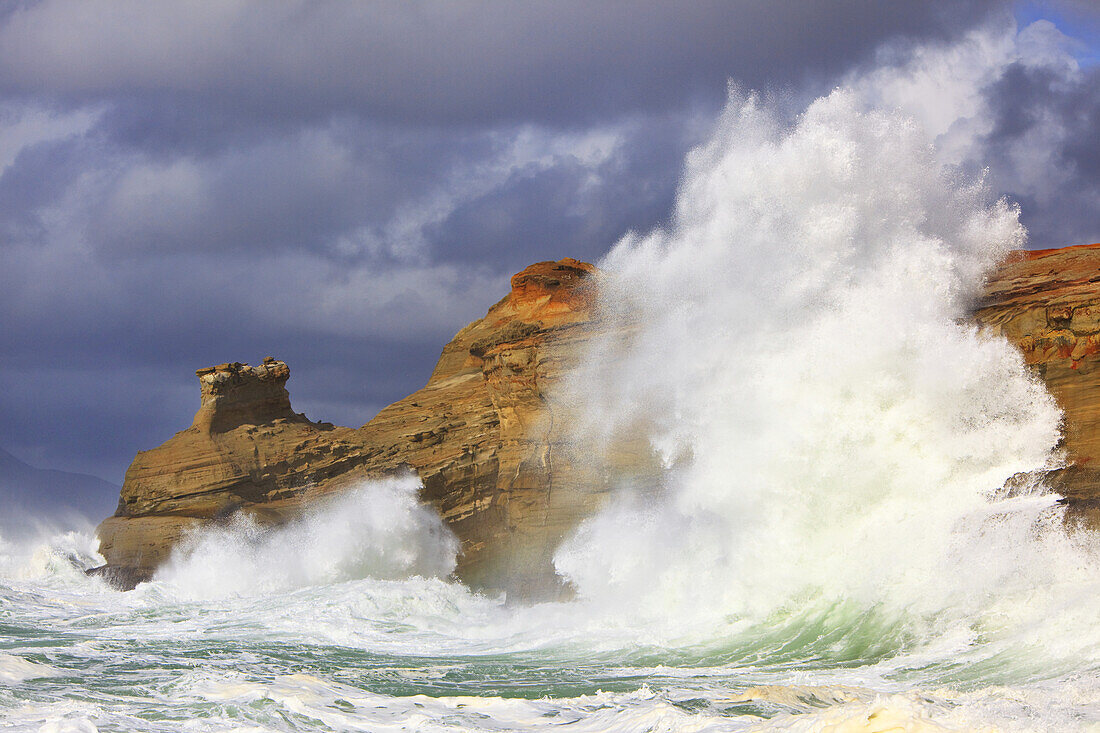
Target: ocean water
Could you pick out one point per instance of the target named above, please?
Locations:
(832, 547)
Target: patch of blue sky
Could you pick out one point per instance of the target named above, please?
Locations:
(1078, 19)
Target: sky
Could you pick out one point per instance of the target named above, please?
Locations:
(345, 185)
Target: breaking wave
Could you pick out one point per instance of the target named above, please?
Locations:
(376, 530)
(835, 433)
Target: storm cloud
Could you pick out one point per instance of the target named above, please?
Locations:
(443, 62)
(344, 185)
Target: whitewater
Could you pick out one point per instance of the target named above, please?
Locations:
(830, 547)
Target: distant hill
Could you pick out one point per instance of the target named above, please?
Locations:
(30, 495)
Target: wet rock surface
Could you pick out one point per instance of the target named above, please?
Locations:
(1047, 302)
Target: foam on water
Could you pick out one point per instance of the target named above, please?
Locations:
(16, 669)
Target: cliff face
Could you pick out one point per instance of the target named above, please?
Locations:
(1047, 302)
(488, 449)
(246, 448)
(493, 454)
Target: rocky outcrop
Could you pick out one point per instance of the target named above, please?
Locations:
(492, 454)
(246, 448)
(1047, 302)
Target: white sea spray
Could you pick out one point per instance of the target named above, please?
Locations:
(835, 431)
(377, 529)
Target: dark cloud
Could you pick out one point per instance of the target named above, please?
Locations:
(93, 412)
(345, 189)
(571, 208)
(1042, 150)
(474, 62)
(38, 177)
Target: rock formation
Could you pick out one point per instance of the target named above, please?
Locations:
(245, 448)
(1047, 302)
(493, 453)
(489, 450)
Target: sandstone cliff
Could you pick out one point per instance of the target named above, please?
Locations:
(1047, 302)
(246, 448)
(491, 451)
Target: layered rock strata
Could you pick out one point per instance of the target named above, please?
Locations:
(1047, 302)
(493, 453)
(246, 448)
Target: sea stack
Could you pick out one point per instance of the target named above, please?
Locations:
(493, 457)
(496, 457)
